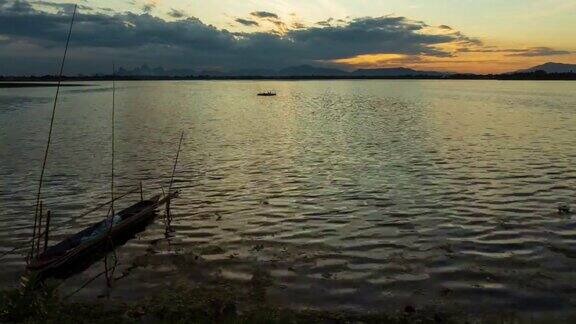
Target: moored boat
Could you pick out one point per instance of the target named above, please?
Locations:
(72, 253)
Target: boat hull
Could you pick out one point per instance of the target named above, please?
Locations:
(60, 262)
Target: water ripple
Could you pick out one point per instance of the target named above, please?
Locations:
(368, 193)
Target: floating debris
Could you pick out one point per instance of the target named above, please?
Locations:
(267, 94)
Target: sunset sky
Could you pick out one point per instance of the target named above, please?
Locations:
(478, 36)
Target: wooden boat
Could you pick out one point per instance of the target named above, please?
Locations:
(267, 94)
(78, 251)
(93, 242)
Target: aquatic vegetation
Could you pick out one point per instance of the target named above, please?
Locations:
(20, 304)
(219, 304)
(37, 302)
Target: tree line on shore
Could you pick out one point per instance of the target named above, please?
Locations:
(537, 75)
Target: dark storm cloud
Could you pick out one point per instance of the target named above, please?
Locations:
(445, 27)
(148, 7)
(264, 14)
(118, 31)
(138, 38)
(370, 36)
(16, 7)
(246, 22)
(65, 7)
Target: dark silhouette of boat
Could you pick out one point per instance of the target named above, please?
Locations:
(267, 94)
(79, 251)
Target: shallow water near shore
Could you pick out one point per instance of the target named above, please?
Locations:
(361, 195)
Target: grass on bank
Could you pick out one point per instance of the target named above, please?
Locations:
(219, 303)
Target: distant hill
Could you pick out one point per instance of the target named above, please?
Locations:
(551, 67)
(211, 73)
(293, 71)
(146, 71)
(308, 70)
(392, 72)
(252, 72)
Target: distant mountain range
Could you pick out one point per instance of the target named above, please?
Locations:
(293, 71)
(145, 70)
(551, 67)
(308, 70)
(315, 71)
(400, 71)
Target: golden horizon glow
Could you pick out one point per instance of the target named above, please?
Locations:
(465, 62)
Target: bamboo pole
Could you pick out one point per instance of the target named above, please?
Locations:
(110, 274)
(110, 217)
(49, 139)
(168, 214)
(46, 231)
(175, 163)
(113, 137)
(40, 215)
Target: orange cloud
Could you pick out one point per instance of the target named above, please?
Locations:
(467, 62)
(371, 59)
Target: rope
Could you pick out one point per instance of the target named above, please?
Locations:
(107, 203)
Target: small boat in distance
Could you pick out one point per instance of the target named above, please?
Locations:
(267, 94)
(64, 258)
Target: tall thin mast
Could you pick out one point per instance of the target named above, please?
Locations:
(113, 136)
(39, 193)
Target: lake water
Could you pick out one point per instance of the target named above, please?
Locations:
(351, 194)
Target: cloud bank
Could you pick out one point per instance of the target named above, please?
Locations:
(32, 37)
